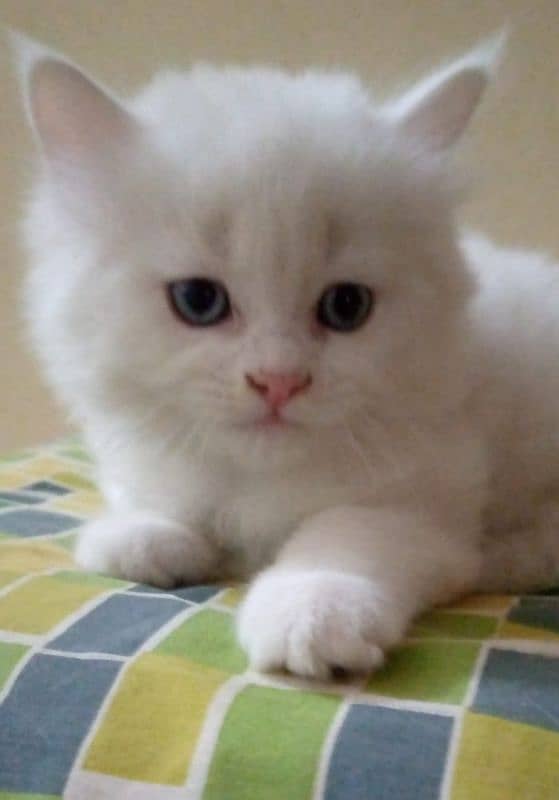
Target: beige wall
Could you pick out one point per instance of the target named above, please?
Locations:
(516, 137)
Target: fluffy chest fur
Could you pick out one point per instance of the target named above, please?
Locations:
(250, 513)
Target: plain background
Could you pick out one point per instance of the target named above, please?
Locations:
(512, 149)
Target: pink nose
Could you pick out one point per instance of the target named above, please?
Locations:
(277, 388)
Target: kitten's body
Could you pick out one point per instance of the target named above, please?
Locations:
(499, 448)
(422, 460)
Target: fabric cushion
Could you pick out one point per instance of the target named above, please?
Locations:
(115, 690)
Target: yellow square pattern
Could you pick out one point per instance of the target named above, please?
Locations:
(39, 604)
(154, 740)
(504, 760)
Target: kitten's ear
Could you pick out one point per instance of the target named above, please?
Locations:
(75, 120)
(437, 111)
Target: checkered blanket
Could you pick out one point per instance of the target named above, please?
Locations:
(121, 691)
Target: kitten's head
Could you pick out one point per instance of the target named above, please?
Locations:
(246, 257)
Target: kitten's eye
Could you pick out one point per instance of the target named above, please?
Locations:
(345, 306)
(199, 301)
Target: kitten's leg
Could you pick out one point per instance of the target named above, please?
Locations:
(146, 548)
(346, 586)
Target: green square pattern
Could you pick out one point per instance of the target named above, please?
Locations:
(433, 671)
(271, 742)
(10, 655)
(450, 625)
(208, 637)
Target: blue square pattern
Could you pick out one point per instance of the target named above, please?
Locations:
(119, 626)
(47, 487)
(194, 594)
(22, 498)
(388, 754)
(32, 522)
(522, 687)
(44, 719)
(537, 612)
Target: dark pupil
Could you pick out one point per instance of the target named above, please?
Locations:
(347, 302)
(200, 295)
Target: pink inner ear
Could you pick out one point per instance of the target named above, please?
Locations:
(443, 116)
(74, 117)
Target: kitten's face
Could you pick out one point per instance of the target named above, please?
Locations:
(266, 259)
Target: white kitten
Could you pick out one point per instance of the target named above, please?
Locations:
(249, 289)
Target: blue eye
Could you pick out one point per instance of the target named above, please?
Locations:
(345, 307)
(199, 301)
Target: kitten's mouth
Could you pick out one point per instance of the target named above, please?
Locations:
(269, 423)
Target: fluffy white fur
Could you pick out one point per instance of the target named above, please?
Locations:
(422, 463)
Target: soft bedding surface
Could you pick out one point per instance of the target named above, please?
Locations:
(114, 690)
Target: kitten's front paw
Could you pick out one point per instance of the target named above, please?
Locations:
(145, 548)
(314, 623)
